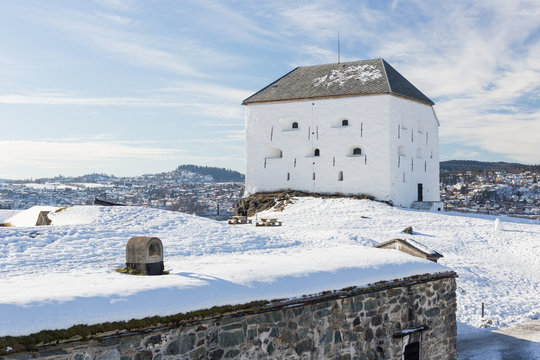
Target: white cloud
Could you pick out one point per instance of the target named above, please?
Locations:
(62, 152)
(201, 101)
(180, 56)
(117, 19)
(123, 5)
(463, 155)
(209, 90)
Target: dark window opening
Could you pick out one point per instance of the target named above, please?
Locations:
(412, 351)
(357, 151)
(340, 176)
(313, 176)
(317, 152)
(153, 250)
(345, 122)
(295, 125)
(288, 176)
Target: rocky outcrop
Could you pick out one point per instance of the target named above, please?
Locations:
(258, 202)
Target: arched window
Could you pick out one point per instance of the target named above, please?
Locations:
(316, 152)
(357, 151)
(295, 125)
(344, 122)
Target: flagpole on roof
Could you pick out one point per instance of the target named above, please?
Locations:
(338, 50)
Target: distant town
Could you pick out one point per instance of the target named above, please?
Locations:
(485, 188)
(202, 191)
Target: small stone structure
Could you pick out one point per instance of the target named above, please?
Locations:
(411, 247)
(43, 219)
(413, 316)
(144, 255)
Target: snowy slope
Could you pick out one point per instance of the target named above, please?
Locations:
(60, 275)
(6, 214)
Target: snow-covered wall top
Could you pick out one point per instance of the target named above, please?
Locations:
(60, 275)
(49, 273)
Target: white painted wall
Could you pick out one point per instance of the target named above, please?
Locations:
(281, 158)
(418, 142)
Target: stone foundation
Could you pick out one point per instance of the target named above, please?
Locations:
(370, 323)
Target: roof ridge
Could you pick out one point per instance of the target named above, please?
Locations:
(338, 63)
(386, 75)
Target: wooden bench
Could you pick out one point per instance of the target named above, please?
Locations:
(237, 220)
(269, 222)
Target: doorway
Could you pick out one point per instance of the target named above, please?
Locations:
(412, 351)
(420, 192)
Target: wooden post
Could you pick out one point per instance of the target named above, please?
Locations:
(482, 309)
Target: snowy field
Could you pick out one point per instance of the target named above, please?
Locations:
(6, 214)
(60, 275)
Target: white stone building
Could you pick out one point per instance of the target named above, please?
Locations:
(350, 128)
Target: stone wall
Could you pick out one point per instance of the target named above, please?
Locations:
(370, 323)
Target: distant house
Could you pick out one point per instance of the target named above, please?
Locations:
(411, 247)
(351, 128)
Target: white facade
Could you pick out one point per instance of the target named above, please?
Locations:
(396, 141)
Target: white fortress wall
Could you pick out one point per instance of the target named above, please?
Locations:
(414, 154)
(281, 157)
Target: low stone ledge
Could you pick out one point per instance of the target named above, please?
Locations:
(274, 312)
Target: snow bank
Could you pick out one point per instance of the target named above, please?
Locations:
(28, 217)
(6, 214)
(56, 276)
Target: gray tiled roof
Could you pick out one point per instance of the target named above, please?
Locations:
(335, 80)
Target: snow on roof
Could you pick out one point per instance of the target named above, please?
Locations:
(414, 244)
(422, 247)
(49, 273)
(355, 78)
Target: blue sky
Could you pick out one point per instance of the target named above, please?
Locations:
(127, 87)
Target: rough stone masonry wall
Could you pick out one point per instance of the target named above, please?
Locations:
(357, 326)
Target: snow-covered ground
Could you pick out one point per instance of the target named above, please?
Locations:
(6, 214)
(60, 275)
